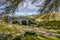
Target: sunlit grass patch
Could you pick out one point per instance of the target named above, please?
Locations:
(52, 38)
(5, 27)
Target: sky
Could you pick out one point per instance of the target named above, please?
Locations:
(26, 7)
(3, 5)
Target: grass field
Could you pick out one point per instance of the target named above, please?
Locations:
(16, 30)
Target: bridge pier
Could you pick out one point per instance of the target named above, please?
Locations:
(27, 22)
(20, 22)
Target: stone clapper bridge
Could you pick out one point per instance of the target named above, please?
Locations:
(22, 20)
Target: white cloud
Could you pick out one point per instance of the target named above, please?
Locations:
(28, 7)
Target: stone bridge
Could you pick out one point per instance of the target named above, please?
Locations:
(22, 20)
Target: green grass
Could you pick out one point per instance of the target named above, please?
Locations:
(37, 37)
(15, 29)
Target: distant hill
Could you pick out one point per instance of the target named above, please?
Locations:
(47, 16)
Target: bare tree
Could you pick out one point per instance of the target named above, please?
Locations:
(50, 6)
(9, 5)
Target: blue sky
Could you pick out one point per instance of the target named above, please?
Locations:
(26, 7)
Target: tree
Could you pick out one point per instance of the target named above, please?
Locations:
(50, 6)
(10, 5)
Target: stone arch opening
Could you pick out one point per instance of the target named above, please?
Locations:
(24, 22)
(15, 22)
